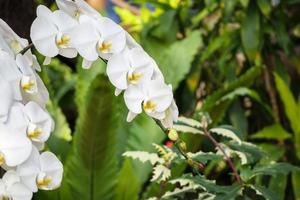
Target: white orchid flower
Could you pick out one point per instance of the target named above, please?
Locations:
(50, 33)
(12, 188)
(15, 147)
(32, 86)
(32, 121)
(77, 8)
(13, 44)
(6, 99)
(154, 96)
(43, 171)
(171, 115)
(130, 67)
(101, 37)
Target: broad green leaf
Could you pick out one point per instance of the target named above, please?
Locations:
(278, 184)
(176, 60)
(144, 156)
(226, 132)
(250, 32)
(274, 132)
(190, 122)
(187, 129)
(128, 184)
(274, 168)
(91, 169)
(204, 157)
(291, 109)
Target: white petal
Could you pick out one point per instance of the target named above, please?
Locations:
(6, 98)
(63, 21)
(85, 39)
(19, 192)
(10, 72)
(43, 35)
(118, 92)
(131, 43)
(10, 178)
(134, 97)
(67, 6)
(86, 9)
(86, 64)
(68, 52)
(29, 170)
(53, 168)
(43, 11)
(117, 69)
(15, 146)
(160, 93)
(16, 119)
(47, 61)
(130, 116)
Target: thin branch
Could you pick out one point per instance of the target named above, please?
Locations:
(29, 46)
(228, 159)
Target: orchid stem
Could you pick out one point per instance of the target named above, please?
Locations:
(29, 46)
(228, 159)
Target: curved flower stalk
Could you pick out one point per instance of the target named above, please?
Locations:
(130, 68)
(25, 124)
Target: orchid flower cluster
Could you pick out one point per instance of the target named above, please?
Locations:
(76, 28)
(25, 124)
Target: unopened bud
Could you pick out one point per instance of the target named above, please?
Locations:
(182, 145)
(190, 162)
(173, 135)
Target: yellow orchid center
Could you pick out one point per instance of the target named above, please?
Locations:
(134, 77)
(149, 106)
(63, 41)
(104, 47)
(34, 134)
(77, 14)
(2, 159)
(44, 182)
(28, 85)
(5, 198)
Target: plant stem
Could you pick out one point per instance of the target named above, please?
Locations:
(29, 46)
(228, 159)
(181, 151)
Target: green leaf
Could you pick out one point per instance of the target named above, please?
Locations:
(176, 60)
(250, 32)
(273, 132)
(244, 80)
(275, 168)
(128, 184)
(265, 7)
(266, 193)
(291, 109)
(91, 169)
(296, 184)
(226, 132)
(278, 184)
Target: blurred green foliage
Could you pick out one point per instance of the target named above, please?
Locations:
(238, 60)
